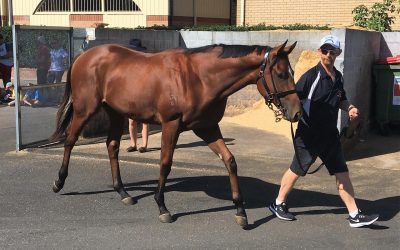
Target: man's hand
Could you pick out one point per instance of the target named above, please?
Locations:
(353, 113)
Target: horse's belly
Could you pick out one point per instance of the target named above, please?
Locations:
(204, 118)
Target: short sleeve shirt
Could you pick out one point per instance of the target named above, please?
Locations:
(327, 94)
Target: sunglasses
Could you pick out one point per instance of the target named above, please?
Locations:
(333, 52)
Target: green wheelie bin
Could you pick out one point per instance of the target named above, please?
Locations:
(386, 95)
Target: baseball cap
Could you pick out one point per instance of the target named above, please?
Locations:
(331, 40)
(9, 84)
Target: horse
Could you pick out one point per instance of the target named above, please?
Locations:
(180, 89)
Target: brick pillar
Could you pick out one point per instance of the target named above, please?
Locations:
(84, 21)
(152, 20)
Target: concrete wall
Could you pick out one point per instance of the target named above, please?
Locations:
(153, 40)
(390, 44)
(361, 50)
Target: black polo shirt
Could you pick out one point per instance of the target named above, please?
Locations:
(320, 111)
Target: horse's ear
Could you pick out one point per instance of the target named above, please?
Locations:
(279, 49)
(282, 47)
(289, 49)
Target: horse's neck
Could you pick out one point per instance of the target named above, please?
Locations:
(238, 73)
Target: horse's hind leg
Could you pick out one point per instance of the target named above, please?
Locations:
(169, 138)
(113, 144)
(213, 137)
(72, 136)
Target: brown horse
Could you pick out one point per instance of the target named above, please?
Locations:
(181, 89)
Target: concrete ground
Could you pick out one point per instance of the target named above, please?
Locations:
(87, 213)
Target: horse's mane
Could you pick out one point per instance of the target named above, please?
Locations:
(232, 51)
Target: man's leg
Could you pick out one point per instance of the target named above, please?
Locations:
(301, 162)
(287, 184)
(346, 191)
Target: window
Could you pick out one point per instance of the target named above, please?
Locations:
(120, 5)
(87, 6)
(54, 6)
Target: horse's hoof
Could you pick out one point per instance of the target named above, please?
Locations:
(241, 220)
(165, 218)
(128, 201)
(56, 189)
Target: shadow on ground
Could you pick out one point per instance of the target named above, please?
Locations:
(375, 144)
(218, 187)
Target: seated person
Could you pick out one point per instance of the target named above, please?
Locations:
(9, 97)
(32, 97)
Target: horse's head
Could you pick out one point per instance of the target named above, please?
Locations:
(276, 84)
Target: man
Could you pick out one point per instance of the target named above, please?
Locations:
(42, 60)
(6, 60)
(321, 93)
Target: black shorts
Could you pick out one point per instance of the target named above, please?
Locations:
(327, 148)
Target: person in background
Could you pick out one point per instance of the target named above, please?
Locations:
(136, 44)
(6, 60)
(85, 44)
(42, 60)
(58, 57)
(9, 98)
(32, 97)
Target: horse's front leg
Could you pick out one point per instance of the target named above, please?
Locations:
(169, 138)
(213, 137)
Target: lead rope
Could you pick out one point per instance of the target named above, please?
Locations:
(297, 155)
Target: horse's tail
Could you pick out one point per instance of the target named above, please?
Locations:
(64, 114)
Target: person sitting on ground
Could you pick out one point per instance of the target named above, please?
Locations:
(10, 95)
(32, 97)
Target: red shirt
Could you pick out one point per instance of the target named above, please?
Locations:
(43, 57)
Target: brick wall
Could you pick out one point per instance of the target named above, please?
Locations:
(85, 20)
(21, 20)
(322, 12)
(152, 20)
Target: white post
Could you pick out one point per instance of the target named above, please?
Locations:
(10, 13)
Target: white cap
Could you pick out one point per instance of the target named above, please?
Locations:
(331, 40)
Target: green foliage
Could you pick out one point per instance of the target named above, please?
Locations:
(378, 17)
(7, 33)
(27, 43)
(258, 27)
(361, 13)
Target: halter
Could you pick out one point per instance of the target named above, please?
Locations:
(273, 96)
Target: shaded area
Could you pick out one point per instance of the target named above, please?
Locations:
(375, 144)
(218, 187)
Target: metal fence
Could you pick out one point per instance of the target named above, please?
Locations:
(42, 56)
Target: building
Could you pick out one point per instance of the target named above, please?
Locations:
(133, 13)
(117, 13)
(316, 12)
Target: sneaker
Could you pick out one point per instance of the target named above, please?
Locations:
(362, 220)
(281, 211)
